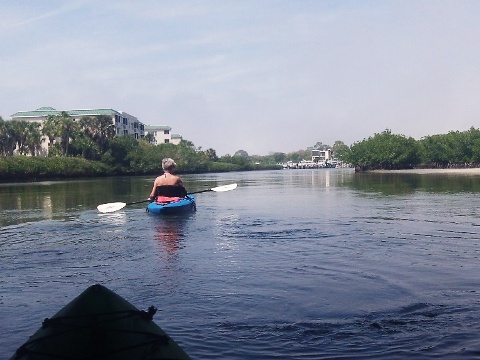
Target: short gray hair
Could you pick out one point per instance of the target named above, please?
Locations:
(168, 164)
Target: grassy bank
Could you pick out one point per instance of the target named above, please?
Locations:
(23, 168)
(26, 168)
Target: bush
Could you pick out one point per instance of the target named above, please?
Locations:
(38, 168)
(222, 167)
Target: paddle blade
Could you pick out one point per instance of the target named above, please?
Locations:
(225, 187)
(111, 207)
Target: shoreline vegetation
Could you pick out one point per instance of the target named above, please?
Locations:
(32, 169)
(445, 171)
(88, 148)
(387, 151)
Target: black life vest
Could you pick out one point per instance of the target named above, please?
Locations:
(170, 191)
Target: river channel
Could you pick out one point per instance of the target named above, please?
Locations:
(293, 264)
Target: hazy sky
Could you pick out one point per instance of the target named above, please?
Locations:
(261, 75)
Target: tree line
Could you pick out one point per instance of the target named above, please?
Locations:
(92, 142)
(87, 137)
(90, 146)
(392, 151)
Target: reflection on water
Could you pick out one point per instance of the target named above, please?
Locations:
(397, 184)
(169, 232)
(49, 200)
(118, 218)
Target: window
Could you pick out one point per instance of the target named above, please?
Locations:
(167, 141)
(166, 132)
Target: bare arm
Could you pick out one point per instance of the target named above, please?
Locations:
(152, 193)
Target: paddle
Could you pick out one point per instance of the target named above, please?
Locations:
(111, 207)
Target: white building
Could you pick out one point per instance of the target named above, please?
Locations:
(125, 124)
(321, 156)
(162, 134)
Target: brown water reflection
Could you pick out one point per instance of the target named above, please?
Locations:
(169, 232)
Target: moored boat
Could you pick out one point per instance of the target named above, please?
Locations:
(100, 324)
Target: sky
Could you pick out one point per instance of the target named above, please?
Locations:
(261, 76)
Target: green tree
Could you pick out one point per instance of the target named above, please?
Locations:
(85, 147)
(49, 130)
(7, 138)
(299, 155)
(149, 137)
(226, 159)
(384, 151)
(119, 149)
(100, 130)
(433, 150)
(241, 158)
(339, 149)
(33, 139)
(22, 135)
(241, 153)
(320, 146)
(68, 130)
(187, 143)
(452, 149)
(279, 157)
(62, 128)
(146, 158)
(474, 141)
(19, 134)
(211, 154)
(28, 137)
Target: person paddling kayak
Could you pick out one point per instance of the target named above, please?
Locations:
(168, 184)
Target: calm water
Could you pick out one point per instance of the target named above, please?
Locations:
(296, 264)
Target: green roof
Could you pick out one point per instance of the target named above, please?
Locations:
(46, 111)
(46, 108)
(93, 112)
(157, 127)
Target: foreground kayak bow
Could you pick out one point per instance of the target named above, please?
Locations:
(100, 324)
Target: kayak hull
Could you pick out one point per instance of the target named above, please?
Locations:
(100, 324)
(184, 205)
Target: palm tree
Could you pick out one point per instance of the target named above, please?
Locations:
(33, 139)
(68, 129)
(18, 134)
(106, 131)
(149, 137)
(49, 130)
(99, 129)
(7, 138)
(61, 127)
